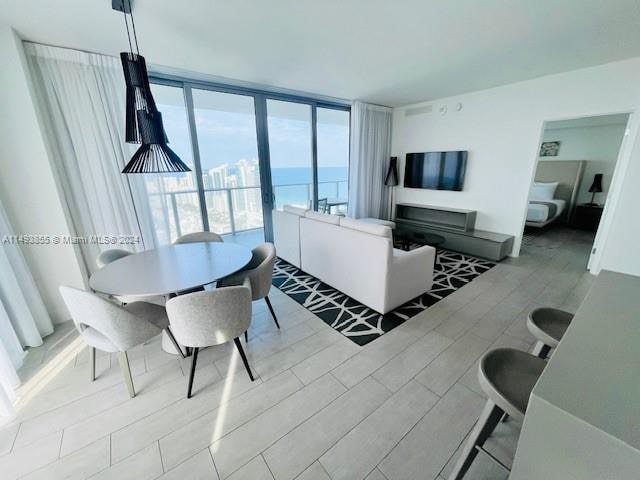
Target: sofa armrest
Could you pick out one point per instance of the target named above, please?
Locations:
(410, 273)
(402, 258)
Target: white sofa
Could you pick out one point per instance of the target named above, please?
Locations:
(354, 257)
(286, 232)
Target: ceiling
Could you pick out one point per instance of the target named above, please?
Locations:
(597, 121)
(390, 52)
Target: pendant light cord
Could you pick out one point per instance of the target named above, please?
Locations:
(133, 26)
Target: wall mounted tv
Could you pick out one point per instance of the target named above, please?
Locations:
(435, 170)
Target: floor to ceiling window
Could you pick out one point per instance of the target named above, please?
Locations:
(290, 153)
(173, 198)
(249, 152)
(333, 157)
(228, 148)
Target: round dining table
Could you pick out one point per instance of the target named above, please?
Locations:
(169, 270)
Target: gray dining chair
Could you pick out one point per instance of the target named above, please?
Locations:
(196, 237)
(507, 376)
(209, 318)
(109, 327)
(111, 255)
(259, 271)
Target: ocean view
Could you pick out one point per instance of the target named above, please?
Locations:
(293, 185)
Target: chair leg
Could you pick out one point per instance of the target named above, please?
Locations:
(273, 314)
(246, 336)
(541, 350)
(243, 356)
(485, 425)
(175, 343)
(193, 371)
(92, 364)
(123, 360)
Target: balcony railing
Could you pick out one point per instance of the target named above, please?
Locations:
(230, 210)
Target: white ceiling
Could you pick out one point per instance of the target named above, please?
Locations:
(597, 121)
(391, 52)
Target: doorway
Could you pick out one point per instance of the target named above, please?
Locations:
(576, 165)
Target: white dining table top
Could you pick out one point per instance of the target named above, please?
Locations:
(170, 269)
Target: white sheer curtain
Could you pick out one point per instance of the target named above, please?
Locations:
(81, 97)
(23, 317)
(370, 151)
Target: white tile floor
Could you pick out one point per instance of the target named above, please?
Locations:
(321, 407)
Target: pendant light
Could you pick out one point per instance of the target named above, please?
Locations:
(143, 122)
(154, 155)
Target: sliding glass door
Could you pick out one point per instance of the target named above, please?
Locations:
(333, 158)
(225, 126)
(250, 152)
(173, 198)
(290, 153)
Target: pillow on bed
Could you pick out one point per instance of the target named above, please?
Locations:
(543, 191)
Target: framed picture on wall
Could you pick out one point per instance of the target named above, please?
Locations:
(550, 149)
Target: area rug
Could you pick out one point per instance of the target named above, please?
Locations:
(360, 323)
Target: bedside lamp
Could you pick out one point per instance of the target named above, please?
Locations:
(596, 187)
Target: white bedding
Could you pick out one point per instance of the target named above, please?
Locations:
(537, 212)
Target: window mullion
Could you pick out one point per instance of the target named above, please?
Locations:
(191, 118)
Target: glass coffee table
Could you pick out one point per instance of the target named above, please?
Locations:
(431, 239)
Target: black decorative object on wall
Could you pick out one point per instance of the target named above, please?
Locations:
(143, 123)
(153, 156)
(596, 187)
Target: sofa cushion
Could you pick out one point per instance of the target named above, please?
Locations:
(371, 228)
(323, 217)
(295, 210)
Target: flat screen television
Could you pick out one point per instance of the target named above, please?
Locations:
(435, 170)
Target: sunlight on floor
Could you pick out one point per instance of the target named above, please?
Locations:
(224, 400)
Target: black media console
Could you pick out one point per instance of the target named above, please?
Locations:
(455, 225)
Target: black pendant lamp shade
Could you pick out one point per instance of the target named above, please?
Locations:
(153, 156)
(391, 180)
(138, 93)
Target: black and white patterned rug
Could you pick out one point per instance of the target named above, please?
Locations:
(360, 323)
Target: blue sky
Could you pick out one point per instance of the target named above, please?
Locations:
(226, 137)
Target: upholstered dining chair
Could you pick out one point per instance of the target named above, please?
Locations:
(259, 271)
(209, 318)
(109, 327)
(111, 255)
(196, 237)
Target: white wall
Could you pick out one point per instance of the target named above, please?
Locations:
(598, 145)
(502, 127)
(27, 187)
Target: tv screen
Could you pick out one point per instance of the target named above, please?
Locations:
(435, 170)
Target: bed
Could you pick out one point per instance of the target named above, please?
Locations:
(553, 193)
(545, 210)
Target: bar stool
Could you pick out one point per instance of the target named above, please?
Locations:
(548, 326)
(507, 376)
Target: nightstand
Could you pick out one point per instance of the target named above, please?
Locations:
(587, 217)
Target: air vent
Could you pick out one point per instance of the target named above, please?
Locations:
(409, 112)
